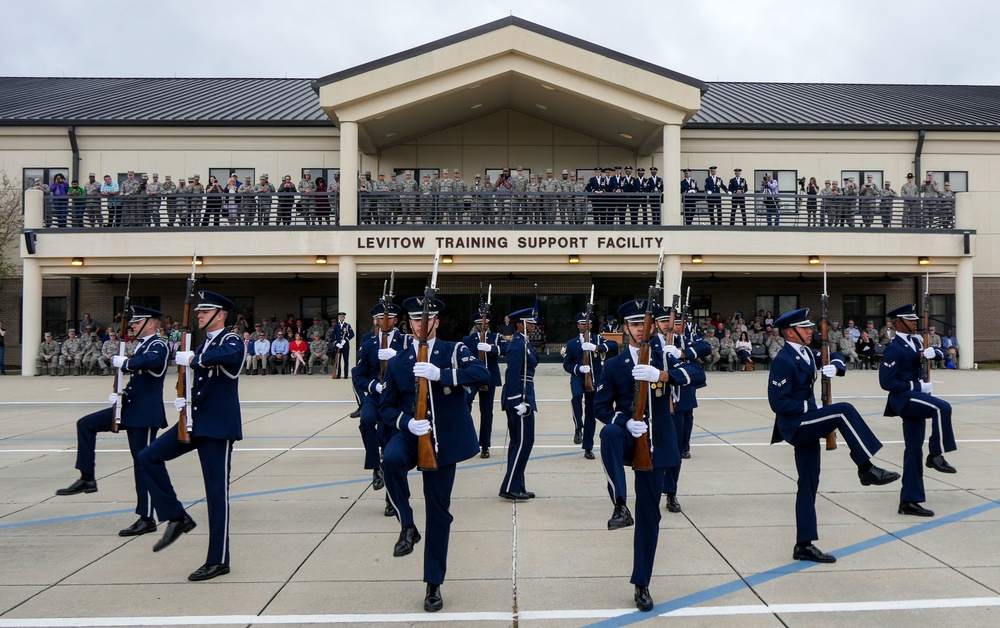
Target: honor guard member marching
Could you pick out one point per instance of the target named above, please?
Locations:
(367, 382)
(802, 425)
(142, 415)
(341, 334)
(518, 401)
(686, 349)
(493, 348)
(614, 407)
(574, 363)
(450, 366)
(215, 423)
(910, 399)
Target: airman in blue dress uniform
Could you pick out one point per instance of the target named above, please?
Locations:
(799, 422)
(341, 334)
(518, 401)
(216, 424)
(582, 402)
(494, 348)
(614, 407)
(450, 368)
(910, 399)
(142, 414)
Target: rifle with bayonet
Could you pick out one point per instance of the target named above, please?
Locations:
(928, 364)
(384, 325)
(484, 312)
(426, 444)
(588, 377)
(826, 383)
(184, 378)
(119, 382)
(642, 458)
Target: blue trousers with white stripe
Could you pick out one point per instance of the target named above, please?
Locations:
(915, 413)
(813, 426)
(522, 439)
(216, 460)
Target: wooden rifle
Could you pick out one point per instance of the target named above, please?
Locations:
(336, 362)
(384, 325)
(484, 312)
(588, 377)
(184, 379)
(642, 458)
(119, 382)
(928, 364)
(426, 444)
(826, 383)
(527, 348)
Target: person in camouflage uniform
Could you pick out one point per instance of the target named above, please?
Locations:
(247, 202)
(550, 199)
(834, 336)
(427, 200)
(365, 204)
(92, 190)
(477, 205)
(319, 326)
(317, 353)
(727, 349)
(306, 203)
(461, 201)
(446, 198)
(946, 212)
(409, 189)
(775, 342)
(395, 187)
(869, 191)
(264, 199)
(130, 347)
(128, 191)
(196, 200)
(931, 191)
(579, 200)
(91, 351)
(334, 189)
(565, 188)
(381, 201)
(520, 186)
(71, 354)
(709, 361)
(48, 355)
(169, 190)
(848, 202)
(847, 348)
(154, 199)
(885, 204)
(108, 350)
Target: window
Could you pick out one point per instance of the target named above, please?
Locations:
(701, 308)
(959, 180)
(244, 306)
(861, 177)
(862, 308)
(942, 312)
(311, 307)
(786, 180)
(223, 174)
(45, 175)
(54, 316)
(776, 304)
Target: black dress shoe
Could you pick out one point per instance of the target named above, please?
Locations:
(484, 452)
(877, 476)
(378, 480)
(672, 504)
(80, 486)
(577, 437)
(173, 532)
(207, 572)
(913, 508)
(141, 526)
(589, 455)
(514, 496)
(408, 537)
(620, 518)
(432, 599)
(529, 494)
(356, 414)
(808, 551)
(389, 511)
(643, 600)
(938, 463)
(685, 454)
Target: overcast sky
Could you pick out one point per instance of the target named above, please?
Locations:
(832, 41)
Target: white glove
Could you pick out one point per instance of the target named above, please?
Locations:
(419, 427)
(522, 409)
(926, 388)
(180, 403)
(113, 398)
(636, 428)
(673, 352)
(117, 361)
(588, 346)
(386, 354)
(484, 346)
(829, 370)
(378, 387)
(427, 370)
(183, 358)
(340, 345)
(929, 353)
(645, 373)
(585, 368)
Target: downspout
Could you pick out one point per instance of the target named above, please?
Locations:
(916, 156)
(75, 146)
(74, 282)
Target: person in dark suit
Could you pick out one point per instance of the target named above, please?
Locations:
(582, 401)
(630, 204)
(450, 367)
(738, 188)
(492, 349)
(367, 379)
(142, 414)
(910, 399)
(655, 185)
(714, 187)
(215, 424)
(341, 334)
(517, 399)
(802, 425)
(613, 405)
(689, 191)
(614, 187)
(595, 188)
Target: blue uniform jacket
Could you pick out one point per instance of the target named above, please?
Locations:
(142, 397)
(341, 331)
(215, 404)
(519, 353)
(453, 425)
(790, 388)
(366, 373)
(899, 373)
(574, 359)
(615, 393)
(493, 357)
(691, 349)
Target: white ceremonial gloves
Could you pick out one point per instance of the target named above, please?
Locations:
(636, 428)
(118, 360)
(588, 346)
(113, 398)
(180, 403)
(645, 373)
(340, 345)
(522, 409)
(673, 352)
(419, 427)
(378, 387)
(484, 346)
(183, 358)
(386, 354)
(829, 370)
(926, 388)
(929, 353)
(427, 370)
(585, 368)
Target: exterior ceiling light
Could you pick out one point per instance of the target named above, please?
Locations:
(574, 258)
(626, 136)
(814, 259)
(447, 259)
(199, 260)
(392, 133)
(638, 118)
(923, 260)
(548, 87)
(696, 259)
(541, 106)
(476, 106)
(321, 259)
(76, 261)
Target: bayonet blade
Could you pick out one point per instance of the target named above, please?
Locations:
(392, 283)
(434, 275)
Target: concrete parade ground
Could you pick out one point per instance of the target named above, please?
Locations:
(310, 544)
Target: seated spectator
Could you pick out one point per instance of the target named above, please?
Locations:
(774, 342)
(934, 340)
(261, 354)
(727, 347)
(846, 348)
(865, 348)
(247, 353)
(298, 351)
(279, 352)
(743, 350)
(950, 345)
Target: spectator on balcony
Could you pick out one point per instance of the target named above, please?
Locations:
(848, 204)
(826, 205)
(946, 213)
(264, 192)
(154, 198)
(885, 204)
(246, 201)
(629, 203)
(213, 202)
(868, 193)
(321, 202)
(737, 189)
(714, 187)
(110, 191)
(689, 189)
(77, 203)
(769, 188)
(478, 213)
(911, 204)
(812, 191)
(365, 203)
(286, 198)
(231, 203)
(196, 200)
(595, 189)
(307, 187)
(460, 201)
(92, 190)
(169, 190)
(335, 197)
(131, 208)
(60, 202)
(409, 189)
(298, 350)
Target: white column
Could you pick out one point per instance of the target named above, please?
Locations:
(31, 314)
(671, 277)
(34, 209)
(671, 211)
(965, 314)
(347, 279)
(349, 176)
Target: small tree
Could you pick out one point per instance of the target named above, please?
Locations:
(11, 222)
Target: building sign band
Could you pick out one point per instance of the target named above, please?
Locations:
(489, 244)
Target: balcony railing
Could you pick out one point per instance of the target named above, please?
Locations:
(381, 210)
